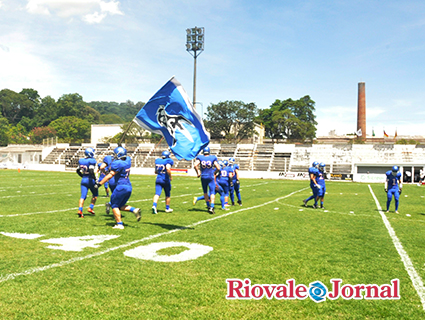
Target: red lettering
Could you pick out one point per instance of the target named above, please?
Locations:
(291, 283)
(369, 288)
(385, 291)
(335, 287)
(359, 288)
(281, 292)
(299, 290)
(257, 289)
(231, 289)
(396, 288)
(248, 282)
(269, 294)
(347, 291)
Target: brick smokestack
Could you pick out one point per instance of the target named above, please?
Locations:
(361, 110)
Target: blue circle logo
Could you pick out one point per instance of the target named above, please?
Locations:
(317, 291)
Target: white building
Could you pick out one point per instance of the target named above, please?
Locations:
(99, 132)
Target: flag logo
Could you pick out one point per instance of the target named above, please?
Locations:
(385, 134)
(173, 123)
(170, 113)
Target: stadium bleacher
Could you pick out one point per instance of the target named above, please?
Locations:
(339, 158)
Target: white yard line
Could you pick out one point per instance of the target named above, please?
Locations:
(12, 276)
(408, 265)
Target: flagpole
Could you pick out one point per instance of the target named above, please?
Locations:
(125, 133)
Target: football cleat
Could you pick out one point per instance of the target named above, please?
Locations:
(240, 202)
(137, 214)
(226, 209)
(107, 208)
(90, 211)
(195, 200)
(305, 202)
(211, 210)
(80, 214)
(154, 211)
(233, 203)
(314, 206)
(169, 210)
(118, 226)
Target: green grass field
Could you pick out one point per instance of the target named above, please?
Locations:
(270, 239)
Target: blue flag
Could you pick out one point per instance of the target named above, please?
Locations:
(170, 113)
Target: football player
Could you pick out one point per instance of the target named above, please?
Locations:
(235, 188)
(205, 166)
(102, 174)
(163, 181)
(225, 180)
(120, 170)
(87, 171)
(321, 182)
(393, 187)
(106, 167)
(313, 172)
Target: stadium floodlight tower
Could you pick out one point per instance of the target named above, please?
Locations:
(195, 46)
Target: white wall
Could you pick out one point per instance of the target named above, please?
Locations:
(100, 131)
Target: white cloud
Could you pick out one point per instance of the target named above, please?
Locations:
(91, 11)
(22, 69)
(374, 112)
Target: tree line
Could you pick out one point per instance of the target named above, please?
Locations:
(26, 118)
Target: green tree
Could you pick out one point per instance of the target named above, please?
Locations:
(71, 129)
(18, 135)
(71, 105)
(4, 131)
(110, 119)
(232, 120)
(46, 112)
(14, 106)
(125, 110)
(290, 119)
(38, 134)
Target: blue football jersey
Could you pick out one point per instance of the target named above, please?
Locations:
(207, 165)
(315, 171)
(85, 164)
(393, 180)
(161, 169)
(320, 179)
(224, 174)
(234, 167)
(108, 161)
(122, 170)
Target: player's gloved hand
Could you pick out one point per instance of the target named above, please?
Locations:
(399, 191)
(79, 172)
(237, 181)
(318, 187)
(97, 185)
(386, 190)
(231, 183)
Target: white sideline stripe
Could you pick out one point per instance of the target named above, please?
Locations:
(36, 194)
(12, 276)
(408, 265)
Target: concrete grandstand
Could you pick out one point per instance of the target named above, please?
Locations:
(351, 162)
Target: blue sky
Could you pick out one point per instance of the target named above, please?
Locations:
(255, 51)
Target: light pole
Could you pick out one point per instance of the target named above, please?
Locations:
(195, 46)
